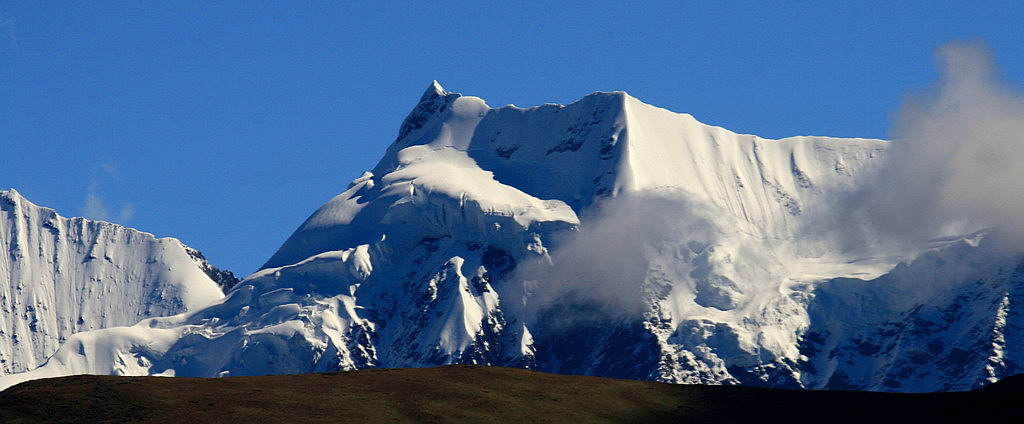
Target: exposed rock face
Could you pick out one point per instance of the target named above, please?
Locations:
(225, 279)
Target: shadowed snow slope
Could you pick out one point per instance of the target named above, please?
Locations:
(606, 237)
(61, 276)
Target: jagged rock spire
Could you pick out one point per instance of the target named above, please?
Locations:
(434, 90)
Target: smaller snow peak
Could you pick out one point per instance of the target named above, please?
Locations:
(11, 198)
(11, 195)
(434, 90)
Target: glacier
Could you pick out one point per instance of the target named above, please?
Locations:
(605, 237)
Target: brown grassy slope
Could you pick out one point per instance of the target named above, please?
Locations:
(469, 394)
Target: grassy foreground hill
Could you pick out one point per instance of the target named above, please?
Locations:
(475, 394)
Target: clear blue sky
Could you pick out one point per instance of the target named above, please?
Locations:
(226, 124)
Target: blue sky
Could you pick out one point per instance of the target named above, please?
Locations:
(226, 124)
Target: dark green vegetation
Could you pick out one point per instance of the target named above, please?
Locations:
(475, 394)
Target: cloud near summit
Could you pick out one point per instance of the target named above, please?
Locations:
(956, 163)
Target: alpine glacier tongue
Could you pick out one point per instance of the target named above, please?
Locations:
(604, 237)
(62, 276)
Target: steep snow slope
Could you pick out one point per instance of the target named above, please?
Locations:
(61, 276)
(605, 237)
(948, 320)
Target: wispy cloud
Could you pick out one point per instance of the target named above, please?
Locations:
(96, 206)
(111, 171)
(956, 164)
(604, 267)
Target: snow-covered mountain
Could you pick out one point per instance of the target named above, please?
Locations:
(606, 237)
(62, 276)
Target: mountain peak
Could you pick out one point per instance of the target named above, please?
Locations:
(11, 194)
(433, 91)
(16, 200)
(434, 100)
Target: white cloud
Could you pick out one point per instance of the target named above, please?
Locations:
(603, 267)
(956, 164)
(96, 206)
(111, 171)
